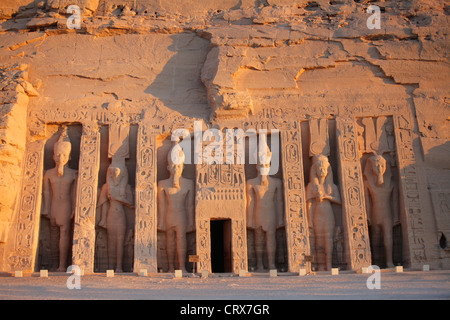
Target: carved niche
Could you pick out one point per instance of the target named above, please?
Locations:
(378, 160)
(322, 196)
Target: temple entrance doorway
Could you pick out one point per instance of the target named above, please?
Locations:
(221, 246)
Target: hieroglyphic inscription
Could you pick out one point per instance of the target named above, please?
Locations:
(409, 192)
(354, 211)
(294, 198)
(145, 247)
(202, 226)
(26, 227)
(86, 199)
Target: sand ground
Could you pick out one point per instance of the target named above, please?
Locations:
(408, 285)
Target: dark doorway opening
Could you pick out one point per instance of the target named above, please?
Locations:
(221, 245)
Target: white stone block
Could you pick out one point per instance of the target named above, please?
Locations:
(242, 273)
(109, 273)
(399, 269)
(143, 272)
(178, 274)
(205, 273)
(18, 274)
(426, 267)
(273, 273)
(364, 270)
(302, 272)
(334, 271)
(43, 273)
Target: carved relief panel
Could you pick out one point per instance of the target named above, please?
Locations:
(145, 254)
(84, 220)
(357, 242)
(24, 230)
(297, 233)
(413, 223)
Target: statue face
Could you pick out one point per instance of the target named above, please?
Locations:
(379, 168)
(322, 167)
(263, 169)
(263, 165)
(115, 173)
(175, 169)
(61, 157)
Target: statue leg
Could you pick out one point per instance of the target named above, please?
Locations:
(181, 248)
(54, 245)
(388, 244)
(271, 244)
(375, 239)
(120, 240)
(64, 244)
(328, 248)
(259, 249)
(319, 243)
(170, 248)
(111, 232)
(328, 239)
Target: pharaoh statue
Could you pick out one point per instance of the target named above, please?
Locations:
(382, 208)
(320, 193)
(59, 191)
(115, 199)
(264, 210)
(176, 209)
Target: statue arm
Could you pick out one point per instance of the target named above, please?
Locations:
(47, 191)
(250, 206)
(335, 195)
(309, 204)
(129, 197)
(309, 212)
(104, 205)
(161, 207)
(74, 194)
(368, 202)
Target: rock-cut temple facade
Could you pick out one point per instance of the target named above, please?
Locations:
(227, 135)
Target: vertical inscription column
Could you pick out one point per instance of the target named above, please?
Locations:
(145, 249)
(352, 192)
(86, 199)
(294, 198)
(25, 227)
(412, 221)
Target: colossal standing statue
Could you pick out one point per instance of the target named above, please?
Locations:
(264, 210)
(59, 191)
(176, 208)
(115, 196)
(382, 209)
(320, 193)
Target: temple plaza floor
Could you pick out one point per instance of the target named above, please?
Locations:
(407, 285)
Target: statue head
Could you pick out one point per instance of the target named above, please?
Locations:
(114, 173)
(377, 164)
(61, 151)
(390, 129)
(175, 161)
(264, 158)
(321, 166)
